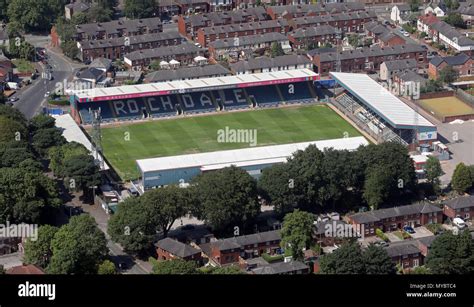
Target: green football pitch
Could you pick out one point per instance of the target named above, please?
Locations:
(124, 144)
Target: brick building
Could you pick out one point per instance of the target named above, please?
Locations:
(461, 62)
(167, 249)
(406, 254)
(367, 59)
(116, 48)
(210, 34)
(381, 35)
(118, 28)
(389, 219)
(193, 6)
(295, 11)
(312, 37)
(461, 206)
(266, 64)
(344, 22)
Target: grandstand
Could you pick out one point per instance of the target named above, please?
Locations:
(380, 113)
(167, 99)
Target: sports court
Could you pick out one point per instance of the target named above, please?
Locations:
(446, 106)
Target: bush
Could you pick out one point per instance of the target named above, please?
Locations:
(272, 258)
(434, 228)
(381, 235)
(61, 102)
(405, 235)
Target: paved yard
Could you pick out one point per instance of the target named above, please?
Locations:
(392, 237)
(421, 232)
(11, 260)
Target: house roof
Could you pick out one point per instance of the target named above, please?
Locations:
(426, 241)
(90, 73)
(377, 215)
(461, 202)
(101, 63)
(375, 27)
(187, 73)
(411, 76)
(25, 270)
(266, 62)
(322, 30)
(428, 19)
(185, 48)
(451, 33)
(400, 64)
(247, 26)
(317, 8)
(78, 6)
(403, 7)
(436, 61)
(115, 26)
(280, 268)
(308, 20)
(132, 40)
(3, 34)
(220, 18)
(176, 248)
(313, 52)
(466, 8)
(370, 52)
(403, 248)
(248, 40)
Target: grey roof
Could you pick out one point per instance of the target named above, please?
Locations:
(411, 76)
(320, 227)
(451, 33)
(220, 18)
(78, 7)
(317, 8)
(455, 60)
(426, 241)
(187, 73)
(466, 8)
(248, 40)
(403, 248)
(375, 27)
(436, 61)
(313, 52)
(371, 51)
(177, 248)
(111, 27)
(400, 64)
(266, 62)
(248, 26)
(133, 40)
(403, 7)
(377, 215)
(90, 73)
(101, 63)
(258, 261)
(280, 268)
(186, 48)
(240, 241)
(461, 202)
(309, 20)
(322, 30)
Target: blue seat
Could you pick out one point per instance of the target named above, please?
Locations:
(296, 92)
(264, 95)
(197, 102)
(231, 98)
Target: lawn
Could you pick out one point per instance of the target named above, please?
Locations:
(446, 106)
(24, 66)
(124, 144)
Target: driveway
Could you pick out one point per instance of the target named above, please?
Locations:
(392, 237)
(421, 232)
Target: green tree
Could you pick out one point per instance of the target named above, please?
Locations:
(354, 40)
(155, 65)
(277, 187)
(461, 180)
(451, 254)
(376, 188)
(347, 259)
(59, 154)
(377, 261)
(70, 49)
(106, 268)
(83, 170)
(296, 233)
(41, 121)
(174, 267)
(226, 198)
(78, 247)
(276, 50)
(433, 172)
(139, 8)
(98, 13)
(11, 130)
(27, 51)
(455, 19)
(414, 5)
(448, 74)
(43, 139)
(228, 270)
(39, 252)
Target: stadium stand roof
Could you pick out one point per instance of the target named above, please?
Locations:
(244, 157)
(381, 101)
(72, 132)
(182, 86)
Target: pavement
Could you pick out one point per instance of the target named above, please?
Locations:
(392, 237)
(11, 260)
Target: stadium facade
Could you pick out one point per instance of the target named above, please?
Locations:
(168, 99)
(157, 172)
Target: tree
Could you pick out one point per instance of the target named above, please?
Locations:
(82, 171)
(2, 269)
(455, 19)
(451, 254)
(11, 130)
(27, 51)
(277, 50)
(34, 16)
(226, 198)
(448, 74)
(167, 204)
(59, 154)
(461, 180)
(228, 270)
(70, 49)
(132, 226)
(78, 247)
(376, 188)
(43, 139)
(155, 65)
(174, 267)
(414, 5)
(277, 187)
(139, 8)
(433, 172)
(377, 261)
(347, 259)
(106, 268)
(12, 113)
(99, 13)
(41, 121)
(432, 86)
(39, 252)
(471, 170)
(3, 10)
(296, 233)
(353, 40)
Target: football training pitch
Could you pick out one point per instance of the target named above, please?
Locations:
(126, 143)
(446, 106)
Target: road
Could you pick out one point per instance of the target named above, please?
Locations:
(32, 96)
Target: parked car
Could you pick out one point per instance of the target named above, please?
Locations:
(47, 94)
(13, 99)
(381, 243)
(459, 223)
(409, 229)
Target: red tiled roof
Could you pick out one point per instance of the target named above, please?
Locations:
(25, 270)
(428, 19)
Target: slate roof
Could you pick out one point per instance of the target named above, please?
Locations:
(177, 248)
(101, 63)
(248, 26)
(436, 61)
(187, 73)
(400, 64)
(313, 52)
(240, 241)
(426, 241)
(370, 52)
(266, 62)
(377, 215)
(280, 268)
(78, 7)
(411, 76)
(248, 40)
(186, 48)
(308, 20)
(322, 30)
(403, 7)
(461, 202)
(90, 73)
(112, 27)
(220, 18)
(403, 248)
(466, 8)
(133, 40)
(317, 8)
(451, 33)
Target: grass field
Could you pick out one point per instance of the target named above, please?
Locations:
(446, 106)
(124, 144)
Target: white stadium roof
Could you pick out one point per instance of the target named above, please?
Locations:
(243, 157)
(384, 103)
(72, 132)
(165, 88)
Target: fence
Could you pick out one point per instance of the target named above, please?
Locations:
(437, 95)
(465, 97)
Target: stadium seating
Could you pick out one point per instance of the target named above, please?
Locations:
(297, 92)
(105, 111)
(197, 102)
(264, 95)
(229, 99)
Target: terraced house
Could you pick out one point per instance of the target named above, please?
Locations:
(344, 22)
(312, 37)
(460, 207)
(300, 10)
(390, 219)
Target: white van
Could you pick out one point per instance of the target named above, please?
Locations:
(459, 223)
